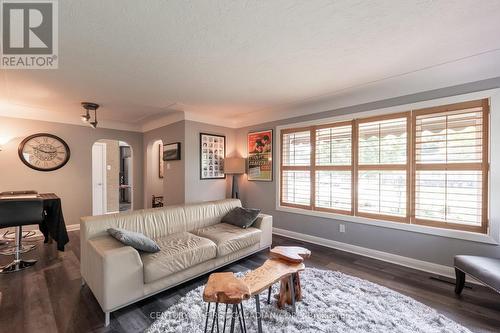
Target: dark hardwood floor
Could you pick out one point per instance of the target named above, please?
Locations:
(49, 298)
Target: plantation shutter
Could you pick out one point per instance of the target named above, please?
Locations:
(296, 168)
(383, 167)
(427, 167)
(451, 165)
(333, 168)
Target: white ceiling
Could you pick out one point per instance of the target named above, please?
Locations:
(240, 62)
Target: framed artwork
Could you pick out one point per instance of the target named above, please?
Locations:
(160, 161)
(212, 154)
(172, 151)
(260, 156)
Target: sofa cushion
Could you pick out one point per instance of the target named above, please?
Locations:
(486, 270)
(135, 239)
(178, 252)
(229, 238)
(241, 217)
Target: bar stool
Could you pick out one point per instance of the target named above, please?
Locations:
(8, 237)
(17, 213)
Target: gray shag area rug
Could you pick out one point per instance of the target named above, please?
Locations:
(332, 302)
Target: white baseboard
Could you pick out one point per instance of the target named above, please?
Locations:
(421, 265)
(73, 227)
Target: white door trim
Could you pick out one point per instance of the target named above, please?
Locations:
(104, 179)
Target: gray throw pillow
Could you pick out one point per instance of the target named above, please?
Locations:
(135, 239)
(241, 217)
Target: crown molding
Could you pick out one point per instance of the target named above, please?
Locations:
(152, 124)
(461, 71)
(470, 69)
(30, 113)
(454, 73)
(210, 119)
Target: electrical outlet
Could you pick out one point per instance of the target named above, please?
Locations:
(168, 166)
(342, 228)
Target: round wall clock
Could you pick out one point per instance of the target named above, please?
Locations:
(44, 152)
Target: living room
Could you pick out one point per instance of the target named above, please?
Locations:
(278, 166)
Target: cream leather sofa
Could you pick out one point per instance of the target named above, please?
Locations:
(192, 240)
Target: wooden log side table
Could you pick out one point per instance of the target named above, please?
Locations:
(262, 278)
(290, 289)
(227, 289)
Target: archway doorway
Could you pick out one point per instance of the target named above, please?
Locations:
(112, 181)
(154, 173)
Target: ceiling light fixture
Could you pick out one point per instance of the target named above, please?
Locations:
(86, 117)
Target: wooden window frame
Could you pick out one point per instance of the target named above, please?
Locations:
(410, 167)
(482, 166)
(293, 168)
(386, 167)
(312, 167)
(332, 168)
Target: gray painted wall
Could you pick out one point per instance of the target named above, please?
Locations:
(430, 248)
(182, 183)
(210, 189)
(73, 182)
(174, 173)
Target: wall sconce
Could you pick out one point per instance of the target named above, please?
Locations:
(3, 141)
(86, 117)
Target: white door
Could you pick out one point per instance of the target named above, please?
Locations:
(98, 178)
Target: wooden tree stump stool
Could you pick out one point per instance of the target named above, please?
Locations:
(262, 278)
(295, 254)
(292, 254)
(227, 289)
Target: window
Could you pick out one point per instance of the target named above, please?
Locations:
(296, 168)
(333, 168)
(426, 167)
(451, 166)
(383, 167)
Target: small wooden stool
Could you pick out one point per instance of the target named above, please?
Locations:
(290, 289)
(227, 289)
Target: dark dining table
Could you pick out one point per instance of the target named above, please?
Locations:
(53, 226)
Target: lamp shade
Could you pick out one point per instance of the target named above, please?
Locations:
(234, 165)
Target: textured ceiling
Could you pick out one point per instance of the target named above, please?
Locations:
(144, 60)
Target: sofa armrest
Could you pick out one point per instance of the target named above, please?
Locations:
(113, 271)
(265, 223)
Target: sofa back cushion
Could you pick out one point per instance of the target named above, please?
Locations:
(208, 213)
(159, 222)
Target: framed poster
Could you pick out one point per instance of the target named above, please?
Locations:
(212, 154)
(260, 156)
(172, 151)
(160, 160)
